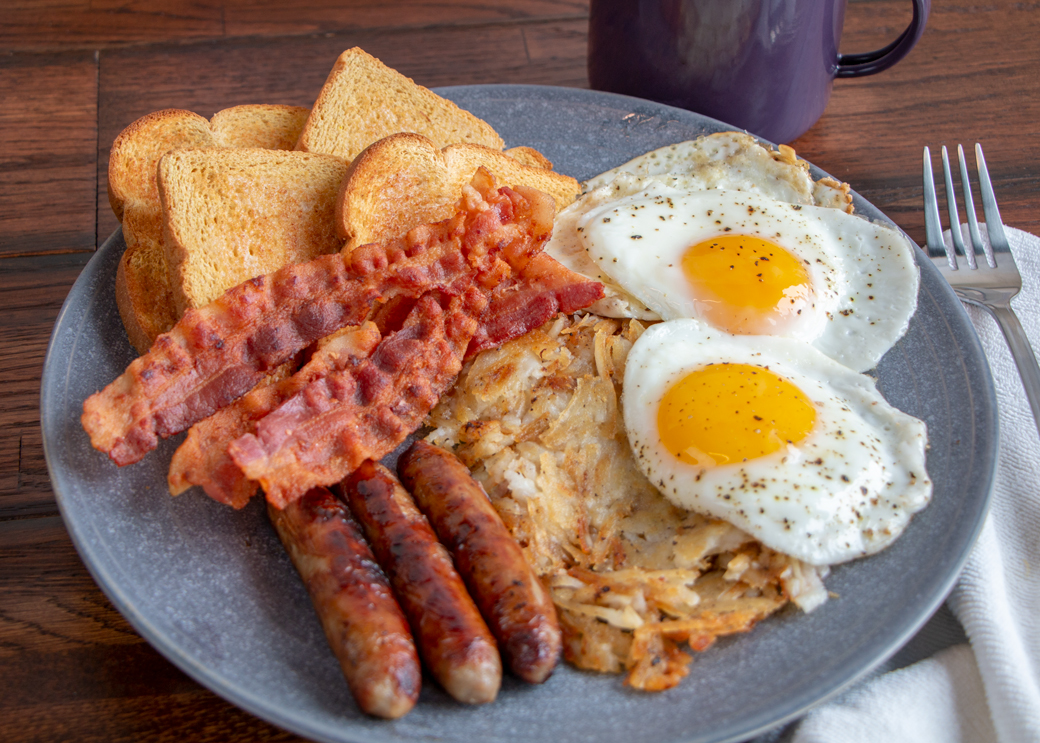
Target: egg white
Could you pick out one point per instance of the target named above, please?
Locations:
(732, 161)
(847, 490)
(864, 274)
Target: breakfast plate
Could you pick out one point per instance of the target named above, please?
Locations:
(212, 589)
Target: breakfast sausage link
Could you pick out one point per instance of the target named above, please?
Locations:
(508, 592)
(453, 639)
(363, 622)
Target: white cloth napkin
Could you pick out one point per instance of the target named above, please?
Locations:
(988, 690)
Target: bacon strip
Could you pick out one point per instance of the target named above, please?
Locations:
(325, 432)
(542, 288)
(517, 305)
(218, 353)
(203, 459)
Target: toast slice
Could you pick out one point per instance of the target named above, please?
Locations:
(137, 149)
(143, 291)
(142, 281)
(404, 180)
(363, 100)
(232, 214)
(259, 125)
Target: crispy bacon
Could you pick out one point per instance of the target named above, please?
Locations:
(541, 289)
(322, 434)
(517, 305)
(203, 459)
(218, 353)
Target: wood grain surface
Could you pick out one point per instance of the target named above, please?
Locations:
(73, 73)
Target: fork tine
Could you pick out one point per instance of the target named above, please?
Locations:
(994, 227)
(951, 206)
(993, 288)
(973, 222)
(932, 228)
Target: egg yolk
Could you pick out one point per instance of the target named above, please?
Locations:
(746, 285)
(726, 413)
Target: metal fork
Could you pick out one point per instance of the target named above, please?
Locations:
(991, 285)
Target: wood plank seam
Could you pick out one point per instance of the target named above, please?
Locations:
(96, 47)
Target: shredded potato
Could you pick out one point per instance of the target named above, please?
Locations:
(634, 578)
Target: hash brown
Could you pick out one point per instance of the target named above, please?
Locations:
(634, 579)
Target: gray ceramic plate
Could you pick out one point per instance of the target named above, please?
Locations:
(212, 589)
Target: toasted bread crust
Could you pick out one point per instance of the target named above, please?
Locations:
(142, 284)
(404, 180)
(134, 285)
(530, 156)
(137, 149)
(363, 100)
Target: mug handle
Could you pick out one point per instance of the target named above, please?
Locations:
(857, 65)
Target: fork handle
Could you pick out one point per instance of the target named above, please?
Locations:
(1023, 355)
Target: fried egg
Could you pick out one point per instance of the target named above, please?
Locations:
(732, 161)
(774, 437)
(749, 264)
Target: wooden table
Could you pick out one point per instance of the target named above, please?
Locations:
(73, 74)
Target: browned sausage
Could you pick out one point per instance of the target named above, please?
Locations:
(512, 599)
(453, 639)
(363, 622)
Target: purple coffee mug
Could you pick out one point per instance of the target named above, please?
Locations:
(763, 65)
